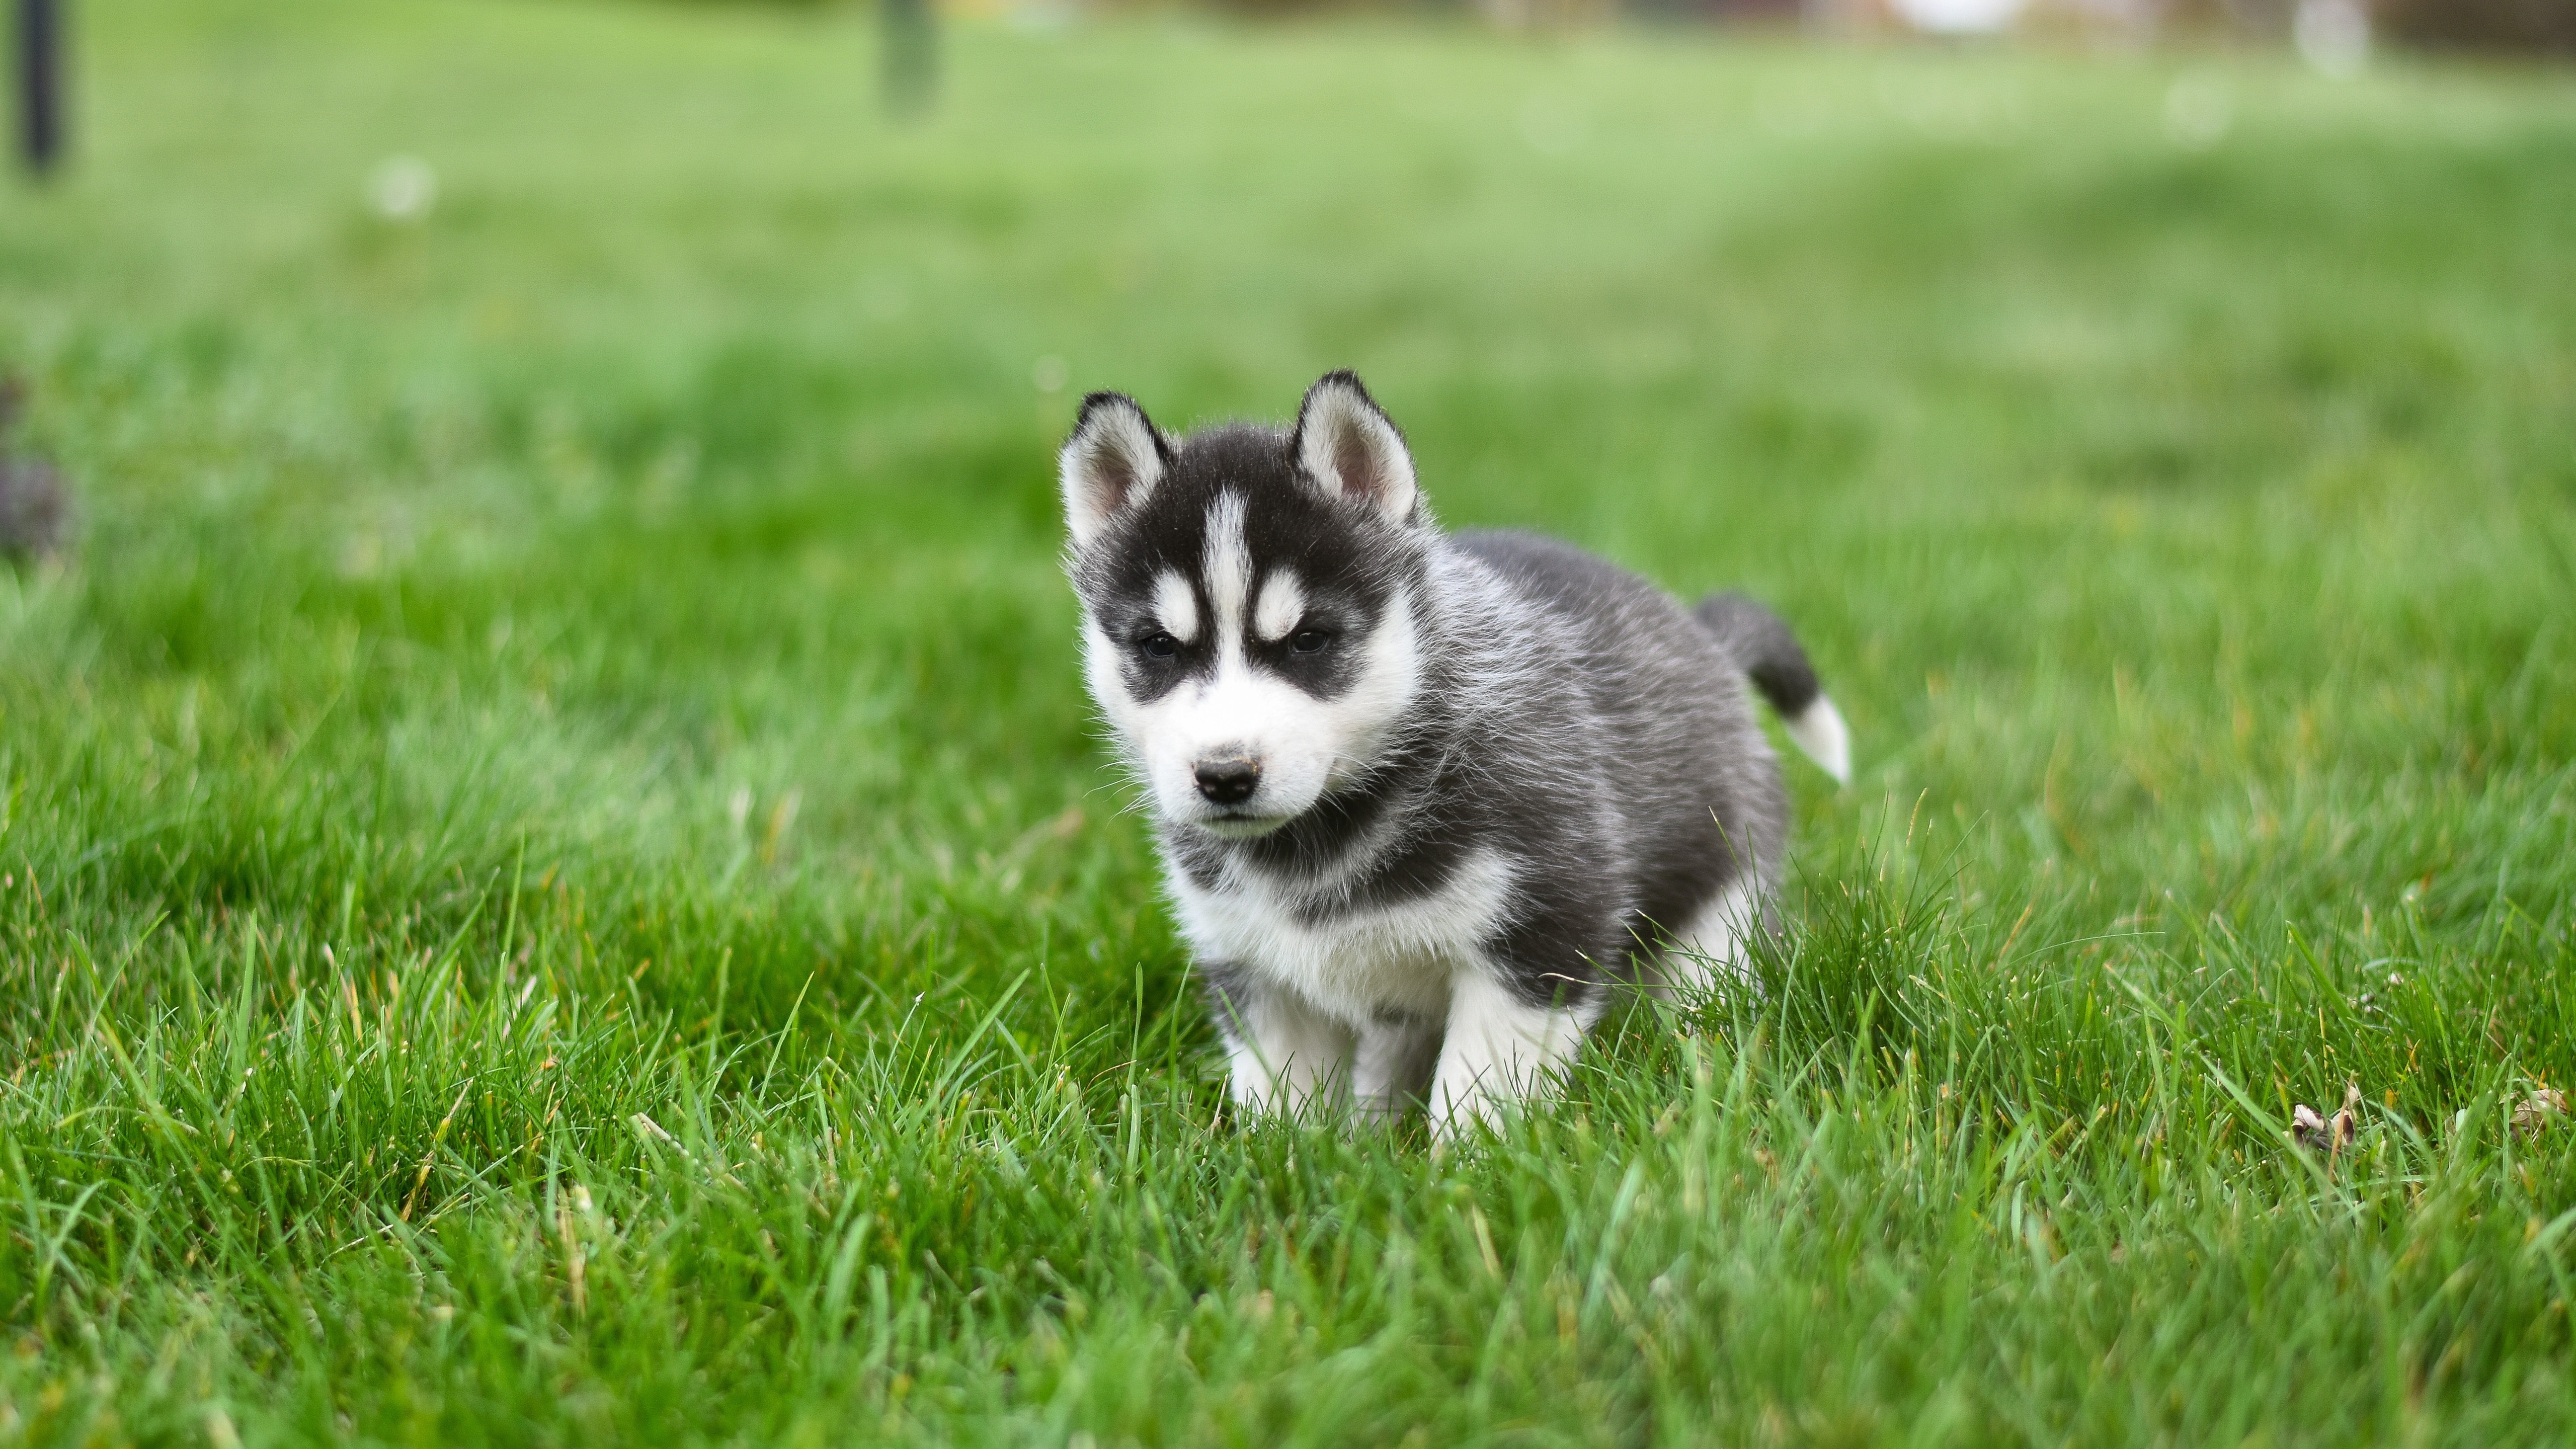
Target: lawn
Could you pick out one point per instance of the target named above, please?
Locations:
(557, 885)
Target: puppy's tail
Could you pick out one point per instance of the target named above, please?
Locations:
(1769, 655)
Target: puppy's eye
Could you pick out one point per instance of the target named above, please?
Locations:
(1159, 646)
(1309, 641)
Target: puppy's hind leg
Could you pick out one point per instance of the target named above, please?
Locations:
(1712, 951)
(1281, 1053)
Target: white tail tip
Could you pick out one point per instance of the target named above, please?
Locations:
(1820, 731)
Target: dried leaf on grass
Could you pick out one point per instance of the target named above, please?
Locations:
(2311, 1129)
(2535, 1114)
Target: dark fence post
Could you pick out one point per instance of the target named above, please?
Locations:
(40, 82)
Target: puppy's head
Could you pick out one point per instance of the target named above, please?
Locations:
(1248, 599)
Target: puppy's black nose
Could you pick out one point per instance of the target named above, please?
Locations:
(1228, 781)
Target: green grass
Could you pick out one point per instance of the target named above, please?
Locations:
(556, 886)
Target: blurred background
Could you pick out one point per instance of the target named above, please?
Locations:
(532, 564)
(549, 505)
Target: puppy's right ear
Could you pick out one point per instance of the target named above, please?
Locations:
(1114, 458)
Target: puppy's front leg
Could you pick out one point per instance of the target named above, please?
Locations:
(1499, 1049)
(1280, 1052)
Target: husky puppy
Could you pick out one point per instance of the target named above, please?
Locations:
(1423, 799)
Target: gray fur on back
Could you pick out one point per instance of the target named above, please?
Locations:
(1696, 789)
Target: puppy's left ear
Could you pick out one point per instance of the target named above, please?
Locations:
(1346, 444)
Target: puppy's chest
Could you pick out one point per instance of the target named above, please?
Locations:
(1356, 963)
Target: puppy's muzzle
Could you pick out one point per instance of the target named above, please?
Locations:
(1229, 780)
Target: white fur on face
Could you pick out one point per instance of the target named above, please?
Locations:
(1175, 607)
(1283, 603)
(1304, 745)
(1227, 564)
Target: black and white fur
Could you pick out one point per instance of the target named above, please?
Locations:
(1424, 799)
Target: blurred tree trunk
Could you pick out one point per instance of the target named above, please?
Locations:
(911, 55)
(40, 83)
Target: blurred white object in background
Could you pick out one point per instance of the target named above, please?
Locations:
(1045, 17)
(2198, 111)
(2333, 35)
(1959, 17)
(402, 188)
(1551, 126)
